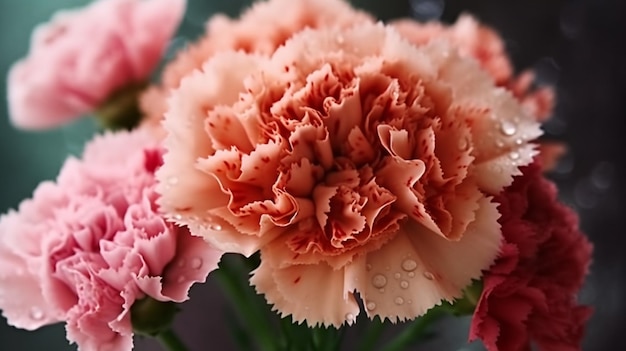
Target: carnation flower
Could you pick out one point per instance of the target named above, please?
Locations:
(81, 57)
(86, 247)
(355, 161)
(261, 29)
(484, 45)
(530, 292)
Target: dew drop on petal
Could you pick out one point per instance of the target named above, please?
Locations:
(178, 217)
(349, 317)
(404, 284)
(196, 263)
(411, 274)
(409, 265)
(36, 313)
(215, 227)
(463, 144)
(514, 155)
(429, 276)
(181, 263)
(379, 281)
(181, 278)
(370, 305)
(397, 276)
(399, 300)
(507, 128)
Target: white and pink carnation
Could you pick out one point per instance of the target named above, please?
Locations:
(354, 161)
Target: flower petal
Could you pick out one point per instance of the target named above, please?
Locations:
(308, 293)
(406, 276)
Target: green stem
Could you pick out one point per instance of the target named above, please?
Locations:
(415, 331)
(372, 335)
(171, 341)
(245, 303)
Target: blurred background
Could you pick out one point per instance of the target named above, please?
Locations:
(576, 45)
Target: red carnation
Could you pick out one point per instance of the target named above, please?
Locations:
(529, 293)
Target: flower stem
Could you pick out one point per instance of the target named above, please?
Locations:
(171, 341)
(371, 337)
(246, 303)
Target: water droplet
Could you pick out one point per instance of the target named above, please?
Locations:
(349, 317)
(379, 281)
(178, 217)
(368, 267)
(411, 274)
(409, 265)
(499, 143)
(370, 305)
(463, 144)
(196, 263)
(215, 227)
(507, 128)
(172, 180)
(602, 175)
(387, 268)
(429, 276)
(409, 302)
(397, 275)
(424, 10)
(519, 141)
(180, 279)
(404, 284)
(396, 95)
(514, 155)
(181, 263)
(36, 313)
(399, 300)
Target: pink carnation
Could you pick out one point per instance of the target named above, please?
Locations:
(529, 294)
(81, 57)
(85, 248)
(260, 29)
(354, 161)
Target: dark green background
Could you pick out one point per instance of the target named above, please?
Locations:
(576, 44)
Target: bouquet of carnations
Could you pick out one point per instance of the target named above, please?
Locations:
(364, 174)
